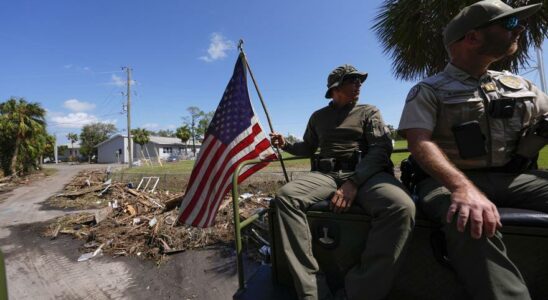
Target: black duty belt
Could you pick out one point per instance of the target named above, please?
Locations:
(332, 165)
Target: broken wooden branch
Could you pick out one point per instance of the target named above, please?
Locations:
(81, 192)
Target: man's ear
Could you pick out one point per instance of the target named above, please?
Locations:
(335, 91)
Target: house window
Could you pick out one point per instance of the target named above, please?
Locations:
(167, 150)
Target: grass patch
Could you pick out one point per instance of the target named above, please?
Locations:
(291, 164)
(184, 166)
(49, 171)
(398, 157)
(400, 144)
(543, 158)
(187, 165)
(182, 169)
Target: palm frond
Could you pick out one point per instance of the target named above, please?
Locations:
(411, 33)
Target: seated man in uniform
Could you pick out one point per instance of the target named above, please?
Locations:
(476, 133)
(353, 166)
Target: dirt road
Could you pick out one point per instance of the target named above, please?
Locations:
(39, 268)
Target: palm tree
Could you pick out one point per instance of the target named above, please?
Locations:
(21, 120)
(141, 136)
(72, 137)
(183, 133)
(411, 33)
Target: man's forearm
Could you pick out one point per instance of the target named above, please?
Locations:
(299, 149)
(466, 198)
(435, 163)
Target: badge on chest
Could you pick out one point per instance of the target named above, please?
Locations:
(511, 82)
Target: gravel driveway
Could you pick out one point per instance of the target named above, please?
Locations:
(40, 268)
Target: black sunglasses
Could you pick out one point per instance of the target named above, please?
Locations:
(352, 79)
(508, 23)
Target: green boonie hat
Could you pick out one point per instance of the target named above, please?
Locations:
(481, 13)
(337, 76)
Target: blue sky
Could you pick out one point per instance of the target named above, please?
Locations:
(67, 55)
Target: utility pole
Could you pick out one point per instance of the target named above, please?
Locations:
(128, 107)
(193, 137)
(55, 155)
(540, 66)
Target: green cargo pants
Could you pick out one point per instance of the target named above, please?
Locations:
(392, 212)
(482, 265)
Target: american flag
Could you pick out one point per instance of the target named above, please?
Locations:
(234, 135)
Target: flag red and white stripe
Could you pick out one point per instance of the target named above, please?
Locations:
(234, 136)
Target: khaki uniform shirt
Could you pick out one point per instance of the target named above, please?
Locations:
(454, 97)
(339, 132)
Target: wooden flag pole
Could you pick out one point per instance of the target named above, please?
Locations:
(241, 48)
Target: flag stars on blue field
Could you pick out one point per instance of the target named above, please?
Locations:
(234, 113)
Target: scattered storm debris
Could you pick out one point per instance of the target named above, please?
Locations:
(137, 223)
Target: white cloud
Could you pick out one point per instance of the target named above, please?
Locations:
(78, 106)
(171, 126)
(218, 48)
(151, 126)
(76, 120)
(119, 81)
(77, 68)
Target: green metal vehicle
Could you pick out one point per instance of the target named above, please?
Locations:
(426, 272)
(3, 284)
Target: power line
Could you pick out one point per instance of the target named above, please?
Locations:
(53, 75)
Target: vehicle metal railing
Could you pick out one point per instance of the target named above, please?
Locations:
(3, 281)
(239, 225)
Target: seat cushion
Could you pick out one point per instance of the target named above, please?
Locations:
(523, 217)
(509, 216)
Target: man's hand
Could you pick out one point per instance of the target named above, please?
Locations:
(277, 140)
(473, 206)
(343, 197)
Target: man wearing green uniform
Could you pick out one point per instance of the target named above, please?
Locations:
(476, 133)
(353, 166)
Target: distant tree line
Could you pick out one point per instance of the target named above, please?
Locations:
(193, 129)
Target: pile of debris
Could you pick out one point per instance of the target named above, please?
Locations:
(8, 183)
(84, 191)
(140, 223)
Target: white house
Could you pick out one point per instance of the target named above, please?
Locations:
(163, 147)
(69, 152)
(115, 149)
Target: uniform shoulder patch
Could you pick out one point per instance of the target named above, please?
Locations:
(511, 82)
(413, 93)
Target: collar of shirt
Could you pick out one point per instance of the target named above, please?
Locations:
(462, 76)
(348, 106)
